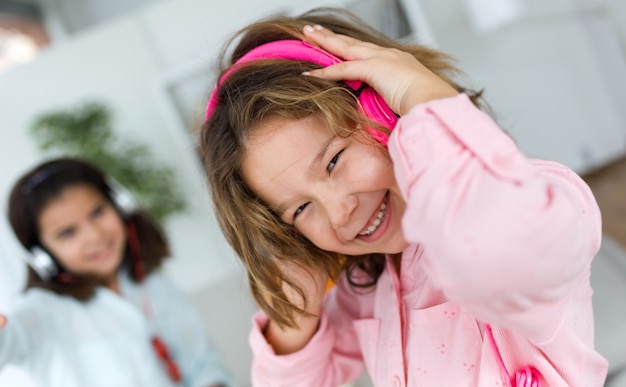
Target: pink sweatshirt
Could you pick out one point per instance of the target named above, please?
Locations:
(496, 238)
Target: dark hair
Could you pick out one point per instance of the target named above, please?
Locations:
(269, 88)
(34, 191)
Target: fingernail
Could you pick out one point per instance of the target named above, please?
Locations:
(306, 73)
(308, 28)
(318, 27)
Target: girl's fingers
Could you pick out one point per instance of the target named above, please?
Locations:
(343, 46)
(354, 53)
(3, 321)
(397, 76)
(311, 280)
(365, 62)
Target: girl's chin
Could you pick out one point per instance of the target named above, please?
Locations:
(99, 275)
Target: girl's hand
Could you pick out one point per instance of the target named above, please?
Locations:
(313, 283)
(396, 75)
(3, 321)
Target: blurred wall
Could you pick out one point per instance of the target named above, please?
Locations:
(555, 73)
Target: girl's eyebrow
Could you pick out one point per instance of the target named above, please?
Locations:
(98, 204)
(322, 153)
(62, 230)
(280, 210)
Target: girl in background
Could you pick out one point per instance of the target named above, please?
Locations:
(334, 152)
(96, 311)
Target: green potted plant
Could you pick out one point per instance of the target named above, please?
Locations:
(86, 132)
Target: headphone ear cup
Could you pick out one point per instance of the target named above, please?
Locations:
(122, 198)
(376, 109)
(42, 263)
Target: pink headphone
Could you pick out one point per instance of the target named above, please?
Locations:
(371, 103)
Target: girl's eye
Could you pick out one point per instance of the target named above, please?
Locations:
(299, 210)
(66, 234)
(98, 211)
(333, 162)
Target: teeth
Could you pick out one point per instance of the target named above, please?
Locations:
(377, 221)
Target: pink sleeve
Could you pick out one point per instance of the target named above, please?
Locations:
(331, 358)
(506, 237)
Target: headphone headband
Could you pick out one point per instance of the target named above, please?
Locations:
(371, 103)
(280, 49)
(36, 179)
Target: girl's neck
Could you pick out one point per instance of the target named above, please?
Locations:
(114, 285)
(396, 259)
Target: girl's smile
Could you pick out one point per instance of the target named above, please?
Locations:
(338, 192)
(378, 225)
(102, 253)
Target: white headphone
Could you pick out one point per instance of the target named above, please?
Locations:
(43, 263)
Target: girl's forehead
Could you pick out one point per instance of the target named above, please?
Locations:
(282, 150)
(72, 189)
(279, 133)
(269, 126)
(70, 201)
(313, 127)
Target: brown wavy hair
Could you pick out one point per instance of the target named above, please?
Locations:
(268, 88)
(42, 184)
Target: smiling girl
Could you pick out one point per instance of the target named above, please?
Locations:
(457, 260)
(96, 311)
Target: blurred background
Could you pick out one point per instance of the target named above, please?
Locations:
(554, 72)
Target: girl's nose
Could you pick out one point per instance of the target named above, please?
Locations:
(92, 231)
(340, 210)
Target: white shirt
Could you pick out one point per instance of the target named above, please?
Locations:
(106, 341)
